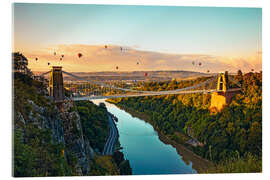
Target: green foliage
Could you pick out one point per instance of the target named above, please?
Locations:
(20, 62)
(94, 120)
(26, 88)
(36, 155)
(170, 85)
(237, 128)
(104, 165)
(248, 163)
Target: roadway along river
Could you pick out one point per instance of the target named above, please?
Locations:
(143, 148)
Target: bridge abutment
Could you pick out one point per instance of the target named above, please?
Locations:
(224, 96)
(221, 99)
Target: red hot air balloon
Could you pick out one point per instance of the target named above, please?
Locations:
(79, 55)
(145, 74)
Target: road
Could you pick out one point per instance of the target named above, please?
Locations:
(113, 137)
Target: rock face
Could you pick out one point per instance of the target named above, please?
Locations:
(49, 139)
(76, 143)
(65, 127)
(44, 119)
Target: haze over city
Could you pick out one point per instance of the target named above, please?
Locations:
(152, 37)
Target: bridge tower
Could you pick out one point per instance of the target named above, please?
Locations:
(222, 84)
(223, 96)
(56, 85)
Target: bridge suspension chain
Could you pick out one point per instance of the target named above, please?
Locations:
(43, 74)
(140, 91)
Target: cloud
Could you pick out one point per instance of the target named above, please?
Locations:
(161, 61)
(99, 58)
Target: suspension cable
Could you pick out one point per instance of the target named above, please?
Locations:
(141, 91)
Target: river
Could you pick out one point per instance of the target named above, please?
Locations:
(146, 153)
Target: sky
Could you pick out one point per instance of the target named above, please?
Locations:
(157, 37)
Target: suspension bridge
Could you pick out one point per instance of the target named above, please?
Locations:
(88, 89)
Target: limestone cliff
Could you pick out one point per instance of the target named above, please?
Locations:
(65, 127)
(55, 139)
(76, 143)
(39, 122)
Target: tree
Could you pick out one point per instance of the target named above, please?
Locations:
(20, 62)
(237, 128)
(239, 76)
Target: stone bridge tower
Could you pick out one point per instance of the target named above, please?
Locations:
(56, 85)
(222, 84)
(224, 96)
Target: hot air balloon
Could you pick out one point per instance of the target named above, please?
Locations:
(36, 59)
(106, 46)
(145, 74)
(116, 67)
(79, 55)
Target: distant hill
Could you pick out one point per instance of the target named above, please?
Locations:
(139, 75)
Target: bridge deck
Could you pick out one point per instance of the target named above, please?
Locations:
(150, 94)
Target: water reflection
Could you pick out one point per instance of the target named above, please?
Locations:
(143, 148)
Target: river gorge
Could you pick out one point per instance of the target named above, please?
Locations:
(143, 147)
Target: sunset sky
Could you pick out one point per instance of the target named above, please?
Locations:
(158, 37)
